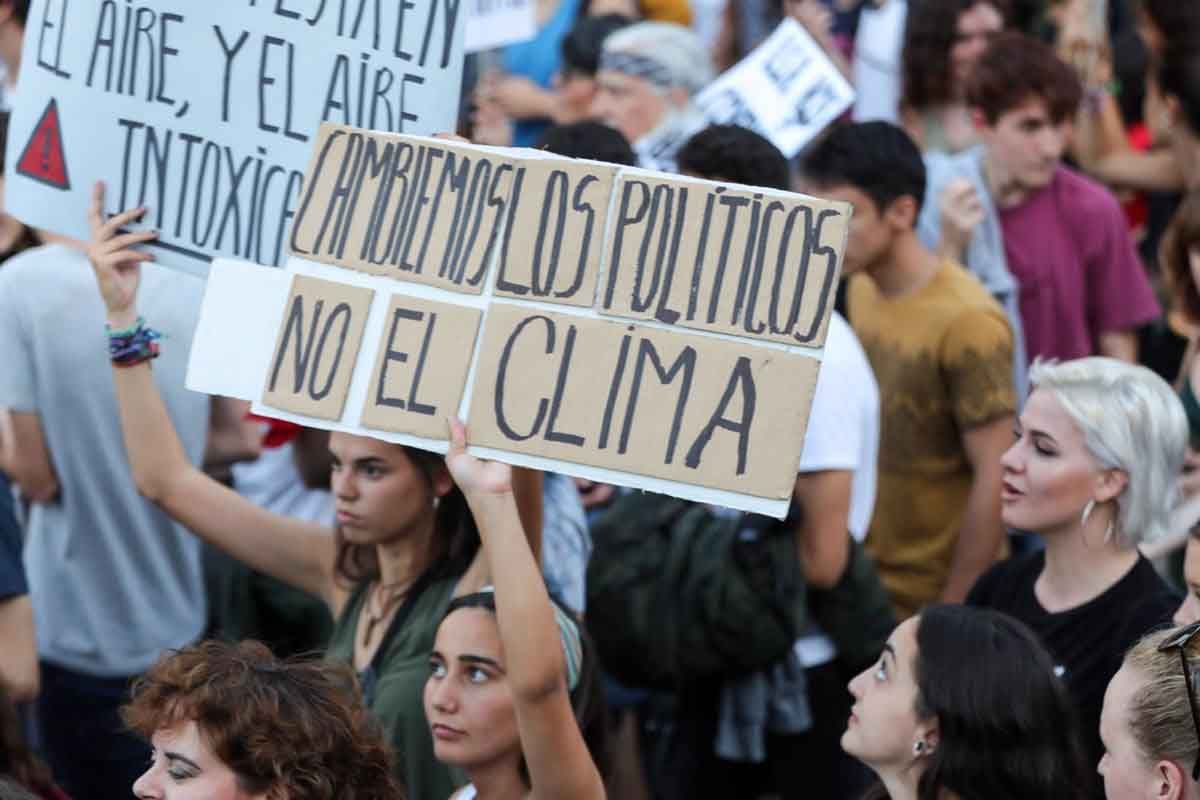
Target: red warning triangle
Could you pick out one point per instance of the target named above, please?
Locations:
(43, 158)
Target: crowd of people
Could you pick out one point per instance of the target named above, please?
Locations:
(987, 586)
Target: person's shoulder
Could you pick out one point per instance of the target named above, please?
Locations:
(997, 587)
(970, 296)
(44, 265)
(1084, 197)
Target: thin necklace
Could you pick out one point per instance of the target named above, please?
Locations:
(396, 592)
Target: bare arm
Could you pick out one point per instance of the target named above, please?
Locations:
(297, 553)
(555, 753)
(231, 438)
(25, 456)
(981, 533)
(18, 657)
(1102, 148)
(1121, 345)
(822, 538)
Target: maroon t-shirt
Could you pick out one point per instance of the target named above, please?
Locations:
(1075, 261)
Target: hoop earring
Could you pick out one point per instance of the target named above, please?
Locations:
(1087, 512)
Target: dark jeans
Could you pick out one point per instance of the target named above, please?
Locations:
(92, 755)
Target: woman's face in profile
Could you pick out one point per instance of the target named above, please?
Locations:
(884, 728)
(182, 767)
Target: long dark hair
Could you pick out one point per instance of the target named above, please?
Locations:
(455, 534)
(587, 698)
(929, 33)
(1179, 77)
(1006, 726)
(17, 760)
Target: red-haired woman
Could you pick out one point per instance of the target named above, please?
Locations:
(232, 722)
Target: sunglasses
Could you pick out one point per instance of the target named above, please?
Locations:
(1180, 642)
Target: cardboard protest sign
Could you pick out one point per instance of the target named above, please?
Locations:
(421, 370)
(206, 112)
(498, 23)
(429, 211)
(575, 349)
(787, 89)
(724, 258)
(317, 347)
(641, 400)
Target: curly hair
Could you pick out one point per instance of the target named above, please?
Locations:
(298, 726)
(1174, 256)
(1015, 68)
(929, 34)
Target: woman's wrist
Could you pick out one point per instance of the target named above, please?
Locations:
(124, 318)
(487, 504)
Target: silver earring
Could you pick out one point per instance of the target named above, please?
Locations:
(919, 748)
(1087, 512)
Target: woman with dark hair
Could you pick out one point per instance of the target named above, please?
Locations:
(942, 41)
(512, 697)
(231, 721)
(964, 703)
(19, 765)
(405, 543)
(1170, 31)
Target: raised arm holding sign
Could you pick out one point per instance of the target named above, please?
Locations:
(405, 542)
(614, 324)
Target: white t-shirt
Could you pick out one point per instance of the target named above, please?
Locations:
(877, 48)
(843, 434)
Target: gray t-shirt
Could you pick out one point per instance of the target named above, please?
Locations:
(112, 579)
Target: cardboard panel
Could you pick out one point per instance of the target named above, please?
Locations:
(414, 209)
(317, 347)
(724, 258)
(421, 366)
(709, 412)
(554, 241)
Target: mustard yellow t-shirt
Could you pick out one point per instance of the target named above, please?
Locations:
(943, 359)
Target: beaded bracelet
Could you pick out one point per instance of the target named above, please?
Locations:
(133, 345)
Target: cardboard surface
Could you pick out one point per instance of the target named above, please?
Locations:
(420, 371)
(554, 243)
(317, 347)
(207, 112)
(414, 209)
(724, 258)
(668, 336)
(635, 399)
(787, 89)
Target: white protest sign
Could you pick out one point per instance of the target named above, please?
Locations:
(499, 23)
(206, 112)
(615, 324)
(787, 90)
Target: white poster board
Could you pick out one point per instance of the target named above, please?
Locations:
(610, 323)
(205, 112)
(498, 23)
(787, 90)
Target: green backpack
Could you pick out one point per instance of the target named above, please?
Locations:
(676, 593)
